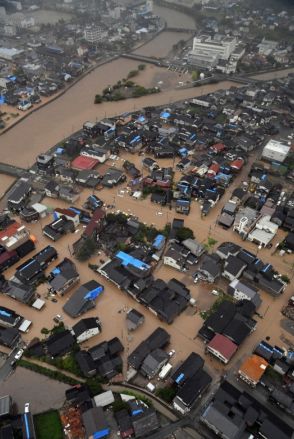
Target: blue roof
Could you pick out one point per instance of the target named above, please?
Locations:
(130, 260)
(158, 241)
(165, 115)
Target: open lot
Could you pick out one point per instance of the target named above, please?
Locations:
(27, 386)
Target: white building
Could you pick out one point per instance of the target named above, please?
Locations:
(94, 34)
(207, 51)
(86, 328)
(265, 230)
(266, 47)
(275, 151)
(241, 291)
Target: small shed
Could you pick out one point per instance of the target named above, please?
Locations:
(134, 319)
(104, 399)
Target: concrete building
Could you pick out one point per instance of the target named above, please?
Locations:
(94, 34)
(207, 51)
(275, 151)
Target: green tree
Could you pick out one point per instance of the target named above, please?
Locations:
(195, 75)
(141, 67)
(98, 99)
(166, 393)
(184, 233)
(86, 249)
(132, 74)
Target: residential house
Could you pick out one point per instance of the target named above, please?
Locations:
(233, 413)
(209, 269)
(240, 290)
(63, 277)
(83, 299)
(9, 337)
(192, 365)
(86, 328)
(95, 423)
(191, 391)
(252, 370)
(154, 361)
(222, 348)
(159, 339)
(60, 343)
(134, 319)
(145, 422)
(233, 268)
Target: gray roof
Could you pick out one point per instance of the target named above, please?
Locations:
(80, 302)
(229, 427)
(5, 405)
(145, 423)
(195, 247)
(246, 289)
(94, 421)
(153, 361)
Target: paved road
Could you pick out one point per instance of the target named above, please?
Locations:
(7, 368)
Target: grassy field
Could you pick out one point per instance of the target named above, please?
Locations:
(48, 425)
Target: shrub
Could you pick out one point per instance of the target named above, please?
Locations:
(184, 233)
(132, 74)
(166, 393)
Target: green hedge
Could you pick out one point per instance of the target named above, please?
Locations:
(55, 375)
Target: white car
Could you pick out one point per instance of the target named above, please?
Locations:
(18, 355)
(24, 105)
(171, 353)
(27, 407)
(215, 292)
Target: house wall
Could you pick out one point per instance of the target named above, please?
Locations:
(171, 262)
(87, 334)
(218, 355)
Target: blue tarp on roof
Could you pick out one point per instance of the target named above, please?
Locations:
(130, 260)
(135, 139)
(92, 295)
(4, 313)
(55, 271)
(180, 378)
(158, 241)
(102, 433)
(137, 412)
(165, 115)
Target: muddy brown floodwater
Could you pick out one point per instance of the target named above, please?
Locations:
(50, 124)
(164, 44)
(112, 305)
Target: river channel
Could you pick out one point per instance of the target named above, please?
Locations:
(47, 126)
